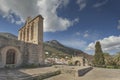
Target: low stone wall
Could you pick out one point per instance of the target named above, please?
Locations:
(76, 72)
(82, 72)
(43, 76)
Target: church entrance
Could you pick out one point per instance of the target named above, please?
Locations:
(10, 56)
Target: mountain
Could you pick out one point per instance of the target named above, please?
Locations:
(55, 48)
(8, 35)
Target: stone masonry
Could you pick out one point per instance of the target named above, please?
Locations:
(28, 49)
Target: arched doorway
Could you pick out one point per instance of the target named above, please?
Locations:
(10, 56)
(77, 63)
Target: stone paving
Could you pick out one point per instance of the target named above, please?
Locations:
(102, 74)
(95, 74)
(19, 74)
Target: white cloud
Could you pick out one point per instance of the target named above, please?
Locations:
(77, 33)
(47, 8)
(75, 43)
(108, 44)
(86, 34)
(99, 4)
(82, 4)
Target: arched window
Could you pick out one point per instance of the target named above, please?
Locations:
(10, 56)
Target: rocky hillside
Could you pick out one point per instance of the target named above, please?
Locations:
(55, 48)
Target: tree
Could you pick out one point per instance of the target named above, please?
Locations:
(117, 59)
(108, 59)
(98, 57)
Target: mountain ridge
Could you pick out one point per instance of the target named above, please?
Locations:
(54, 44)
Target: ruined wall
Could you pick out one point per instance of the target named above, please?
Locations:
(26, 53)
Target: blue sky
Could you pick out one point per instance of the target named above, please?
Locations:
(75, 23)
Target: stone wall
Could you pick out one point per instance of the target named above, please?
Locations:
(26, 53)
(83, 61)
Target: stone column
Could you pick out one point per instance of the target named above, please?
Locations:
(25, 34)
(19, 35)
(29, 33)
(22, 35)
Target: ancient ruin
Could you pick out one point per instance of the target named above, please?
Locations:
(28, 49)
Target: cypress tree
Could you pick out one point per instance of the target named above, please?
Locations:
(99, 56)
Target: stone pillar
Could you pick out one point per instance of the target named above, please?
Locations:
(22, 34)
(19, 35)
(29, 33)
(25, 34)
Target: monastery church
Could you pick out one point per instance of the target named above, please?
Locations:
(27, 49)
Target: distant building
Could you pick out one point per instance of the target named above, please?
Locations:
(56, 61)
(28, 49)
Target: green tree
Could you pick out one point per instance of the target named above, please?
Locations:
(98, 57)
(117, 59)
(108, 59)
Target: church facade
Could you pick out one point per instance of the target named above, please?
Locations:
(27, 49)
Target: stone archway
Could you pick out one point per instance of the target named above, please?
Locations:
(77, 63)
(10, 56)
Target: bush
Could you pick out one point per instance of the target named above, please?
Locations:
(70, 63)
(113, 67)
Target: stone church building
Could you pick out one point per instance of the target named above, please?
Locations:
(27, 49)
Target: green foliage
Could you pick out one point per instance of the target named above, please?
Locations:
(70, 63)
(98, 57)
(53, 52)
(108, 59)
(113, 67)
(117, 59)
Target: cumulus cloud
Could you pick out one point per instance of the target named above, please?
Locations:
(108, 44)
(77, 33)
(85, 34)
(82, 4)
(47, 8)
(75, 43)
(99, 4)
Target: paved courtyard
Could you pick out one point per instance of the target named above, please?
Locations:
(19, 74)
(95, 74)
